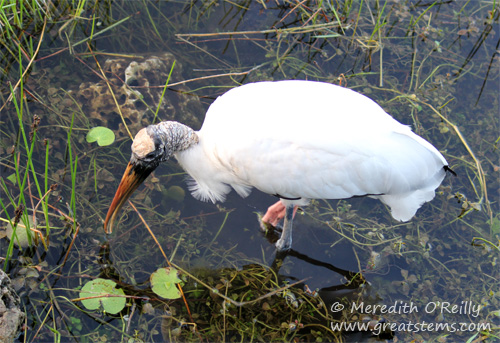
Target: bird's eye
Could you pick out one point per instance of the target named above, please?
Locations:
(151, 155)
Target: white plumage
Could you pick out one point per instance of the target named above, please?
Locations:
(310, 140)
(300, 140)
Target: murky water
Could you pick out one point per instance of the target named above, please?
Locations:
(426, 64)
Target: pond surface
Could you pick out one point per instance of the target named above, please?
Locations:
(431, 65)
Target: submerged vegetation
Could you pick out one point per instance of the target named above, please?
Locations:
(71, 67)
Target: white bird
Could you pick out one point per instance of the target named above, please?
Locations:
(297, 140)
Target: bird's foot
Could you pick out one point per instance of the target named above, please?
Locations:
(267, 228)
(283, 245)
(274, 214)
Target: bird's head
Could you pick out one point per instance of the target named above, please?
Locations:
(147, 153)
(151, 146)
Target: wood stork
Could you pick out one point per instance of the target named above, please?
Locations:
(297, 140)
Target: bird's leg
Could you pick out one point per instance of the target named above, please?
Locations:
(285, 242)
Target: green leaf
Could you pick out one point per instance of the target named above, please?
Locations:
(12, 178)
(102, 135)
(103, 293)
(165, 281)
(23, 237)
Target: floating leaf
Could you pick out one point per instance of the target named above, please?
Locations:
(102, 135)
(103, 293)
(164, 282)
(23, 237)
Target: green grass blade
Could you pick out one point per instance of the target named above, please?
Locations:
(163, 93)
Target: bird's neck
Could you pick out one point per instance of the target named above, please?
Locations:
(173, 136)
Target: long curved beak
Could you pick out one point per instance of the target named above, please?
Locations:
(131, 179)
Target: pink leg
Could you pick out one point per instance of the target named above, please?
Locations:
(275, 213)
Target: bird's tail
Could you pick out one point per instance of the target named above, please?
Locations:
(404, 206)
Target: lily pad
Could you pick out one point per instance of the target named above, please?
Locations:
(103, 293)
(165, 281)
(102, 135)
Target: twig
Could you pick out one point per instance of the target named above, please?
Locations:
(134, 305)
(290, 30)
(71, 244)
(291, 11)
(109, 295)
(205, 51)
(208, 77)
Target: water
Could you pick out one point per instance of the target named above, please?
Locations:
(444, 55)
